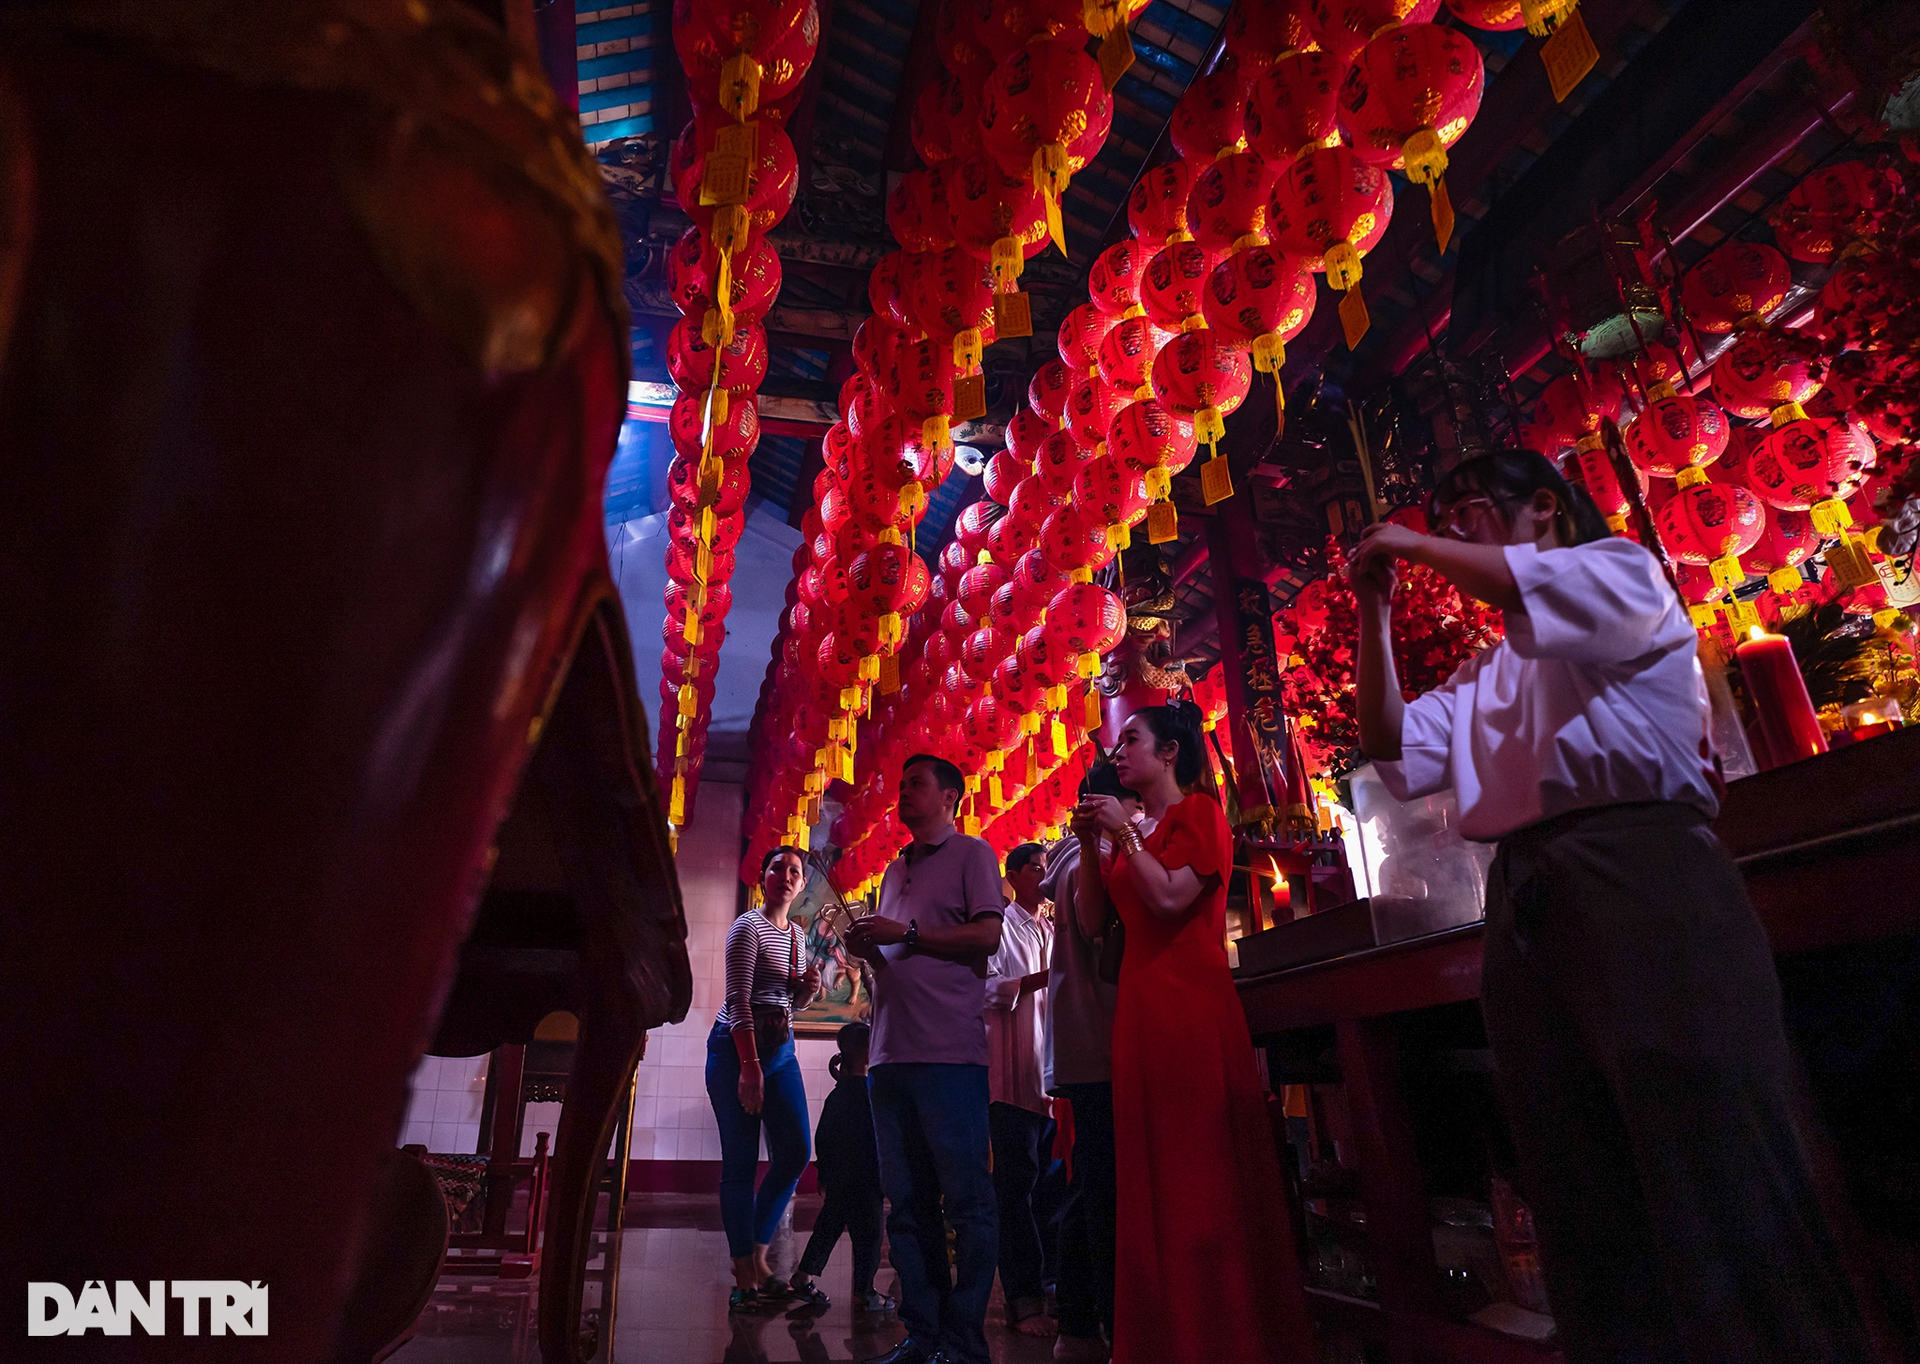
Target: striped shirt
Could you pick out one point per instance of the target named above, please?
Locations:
(764, 967)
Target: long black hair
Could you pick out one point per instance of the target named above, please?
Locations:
(1509, 479)
(1177, 722)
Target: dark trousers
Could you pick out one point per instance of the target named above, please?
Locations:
(1016, 1170)
(858, 1212)
(1084, 1289)
(930, 1123)
(1634, 1015)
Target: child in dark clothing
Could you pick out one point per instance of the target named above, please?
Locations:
(849, 1169)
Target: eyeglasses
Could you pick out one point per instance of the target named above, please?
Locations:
(1454, 516)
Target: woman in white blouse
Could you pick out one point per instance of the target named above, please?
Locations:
(1629, 992)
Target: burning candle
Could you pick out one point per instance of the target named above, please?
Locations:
(1780, 698)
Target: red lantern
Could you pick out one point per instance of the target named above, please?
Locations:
(735, 434)
(1344, 26)
(956, 622)
(1659, 364)
(1199, 375)
(923, 390)
(1210, 118)
(711, 615)
(1016, 686)
(1175, 279)
(1029, 427)
(1087, 619)
(889, 580)
(917, 212)
(683, 558)
(876, 348)
(1004, 609)
(1496, 16)
(983, 651)
(887, 291)
(691, 359)
(1041, 655)
(972, 525)
(1328, 209)
(1091, 408)
(1157, 205)
(1152, 441)
(1261, 33)
(1113, 281)
(977, 586)
(1058, 462)
(1734, 281)
(945, 124)
(1758, 373)
(693, 267)
(1572, 406)
(993, 211)
(1045, 113)
(952, 297)
(1811, 463)
(1712, 524)
(1004, 471)
(1047, 392)
(1081, 332)
(1035, 583)
(1294, 107)
(777, 37)
(1007, 541)
(1787, 542)
(1409, 95)
(990, 726)
(1258, 300)
(1072, 544)
(1108, 492)
(1227, 209)
(1030, 506)
(772, 180)
(1677, 432)
(1831, 207)
(730, 495)
(1126, 356)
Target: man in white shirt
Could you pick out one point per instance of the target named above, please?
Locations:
(1019, 1115)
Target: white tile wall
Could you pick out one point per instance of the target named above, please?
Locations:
(443, 1104)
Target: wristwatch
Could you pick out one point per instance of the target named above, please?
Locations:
(913, 934)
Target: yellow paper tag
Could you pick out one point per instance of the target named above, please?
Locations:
(890, 674)
(1741, 617)
(1442, 214)
(970, 826)
(1058, 738)
(1012, 315)
(725, 181)
(1216, 481)
(1093, 716)
(737, 139)
(970, 397)
(1568, 55)
(1163, 523)
(1116, 55)
(1850, 564)
(1056, 229)
(994, 797)
(1033, 766)
(1353, 317)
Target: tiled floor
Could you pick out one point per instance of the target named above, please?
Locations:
(664, 1287)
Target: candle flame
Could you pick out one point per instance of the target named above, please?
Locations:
(1756, 632)
(1273, 870)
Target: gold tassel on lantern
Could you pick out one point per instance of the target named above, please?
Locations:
(740, 86)
(1050, 177)
(1426, 161)
(1012, 310)
(677, 806)
(1343, 273)
(1269, 354)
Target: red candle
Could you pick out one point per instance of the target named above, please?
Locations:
(1780, 698)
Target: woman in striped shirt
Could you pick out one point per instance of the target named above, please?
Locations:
(753, 1077)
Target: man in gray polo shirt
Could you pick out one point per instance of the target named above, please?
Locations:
(929, 941)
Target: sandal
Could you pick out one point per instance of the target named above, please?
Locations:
(744, 1300)
(873, 1302)
(775, 1290)
(809, 1298)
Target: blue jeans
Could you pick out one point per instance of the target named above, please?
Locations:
(930, 1122)
(750, 1219)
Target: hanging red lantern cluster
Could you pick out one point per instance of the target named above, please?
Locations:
(735, 176)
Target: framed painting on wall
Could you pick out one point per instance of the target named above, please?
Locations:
(844, 997)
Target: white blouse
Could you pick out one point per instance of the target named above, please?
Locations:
(1594, 698)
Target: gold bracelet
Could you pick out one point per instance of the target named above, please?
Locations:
(1130, 840)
